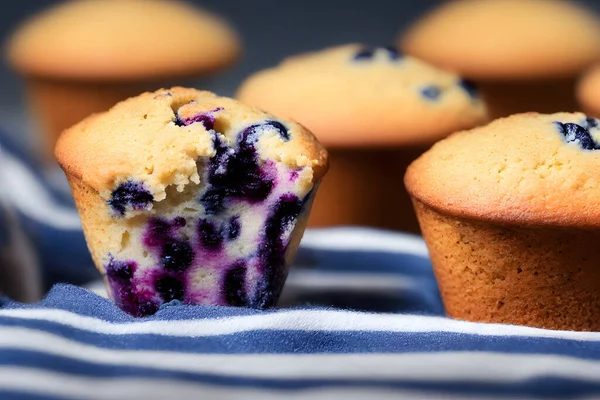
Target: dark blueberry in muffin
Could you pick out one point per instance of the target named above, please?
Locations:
(120, 271)
(431, 92)
(575, 133)
(469, 87)
(393, 53)
(206, 119)
(234, 285)
(363, 54)
(177, 255)
(169, 288)
(129, 194)
(210, 237)
(233, 232)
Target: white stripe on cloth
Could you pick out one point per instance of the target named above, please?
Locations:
(364, 239)
(29, 380)
(303, 320)
(483, 367)
(26, 194)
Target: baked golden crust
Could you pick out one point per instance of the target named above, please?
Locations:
(139, 138)
(374, 101)
(149, 39)
(506, 39)
(516, 170)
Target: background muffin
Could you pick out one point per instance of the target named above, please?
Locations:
(375, 110)
(525, 55)
(588, 91)
(187, 196)
(81, 57)
(509, 213)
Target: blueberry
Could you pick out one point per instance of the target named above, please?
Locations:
(363, 54)
(158, 231)
(210, 237)
(431, 92)
(214, 200)
(236, 173)
(469, 87)
(250, 134)
(575, 133)
(206, 119)
(234, 228)
(120, 271)
(272, 249)
(169, 288)
(131, 194)
(591, 122)
(179, 222)
(234, 284)
(393, 52)
(177, 256)
(144, 308)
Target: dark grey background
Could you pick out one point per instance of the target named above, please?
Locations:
(270, 29)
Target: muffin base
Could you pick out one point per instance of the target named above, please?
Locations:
(545, 277)
(103, 232)
(362, 189)
(505, 98)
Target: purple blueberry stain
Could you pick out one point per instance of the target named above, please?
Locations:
(234, 283)
(177, 255)
(575, 133)
(120, 276)
(234, 229)
(159, 231)
(207, 119)
(169, 288)
(129, 194)
(431, 92)
(235, 173)
(273, 247)
(210, 236)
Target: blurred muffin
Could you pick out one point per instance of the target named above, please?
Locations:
(187, 196)
(510, 215)
(525, 55)
(375, 110)
(588, 91)
(81, 57)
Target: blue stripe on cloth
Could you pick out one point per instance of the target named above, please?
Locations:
(361, 261)
(274, 341)
(541, 386)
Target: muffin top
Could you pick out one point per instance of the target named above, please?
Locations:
(161, 139)
(588, 91)
(537, 169)
(120, 40)
(504, 39)
(354, 95)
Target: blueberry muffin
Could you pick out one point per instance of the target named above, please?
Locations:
(375, 110)
(588, 89)
(81, 57)
(187, 196)
(510, 215)
(525, 55)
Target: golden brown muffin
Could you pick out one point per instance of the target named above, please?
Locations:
(588, 91)
(187, 196)
(510, 215)
(375, 110)
(525, 55)
(81, 57)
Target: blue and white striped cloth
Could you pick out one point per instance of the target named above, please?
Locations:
(360, 318)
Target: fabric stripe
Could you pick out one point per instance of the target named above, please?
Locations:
(286, 320)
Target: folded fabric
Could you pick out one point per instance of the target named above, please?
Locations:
(46, 215)
(316, 345)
